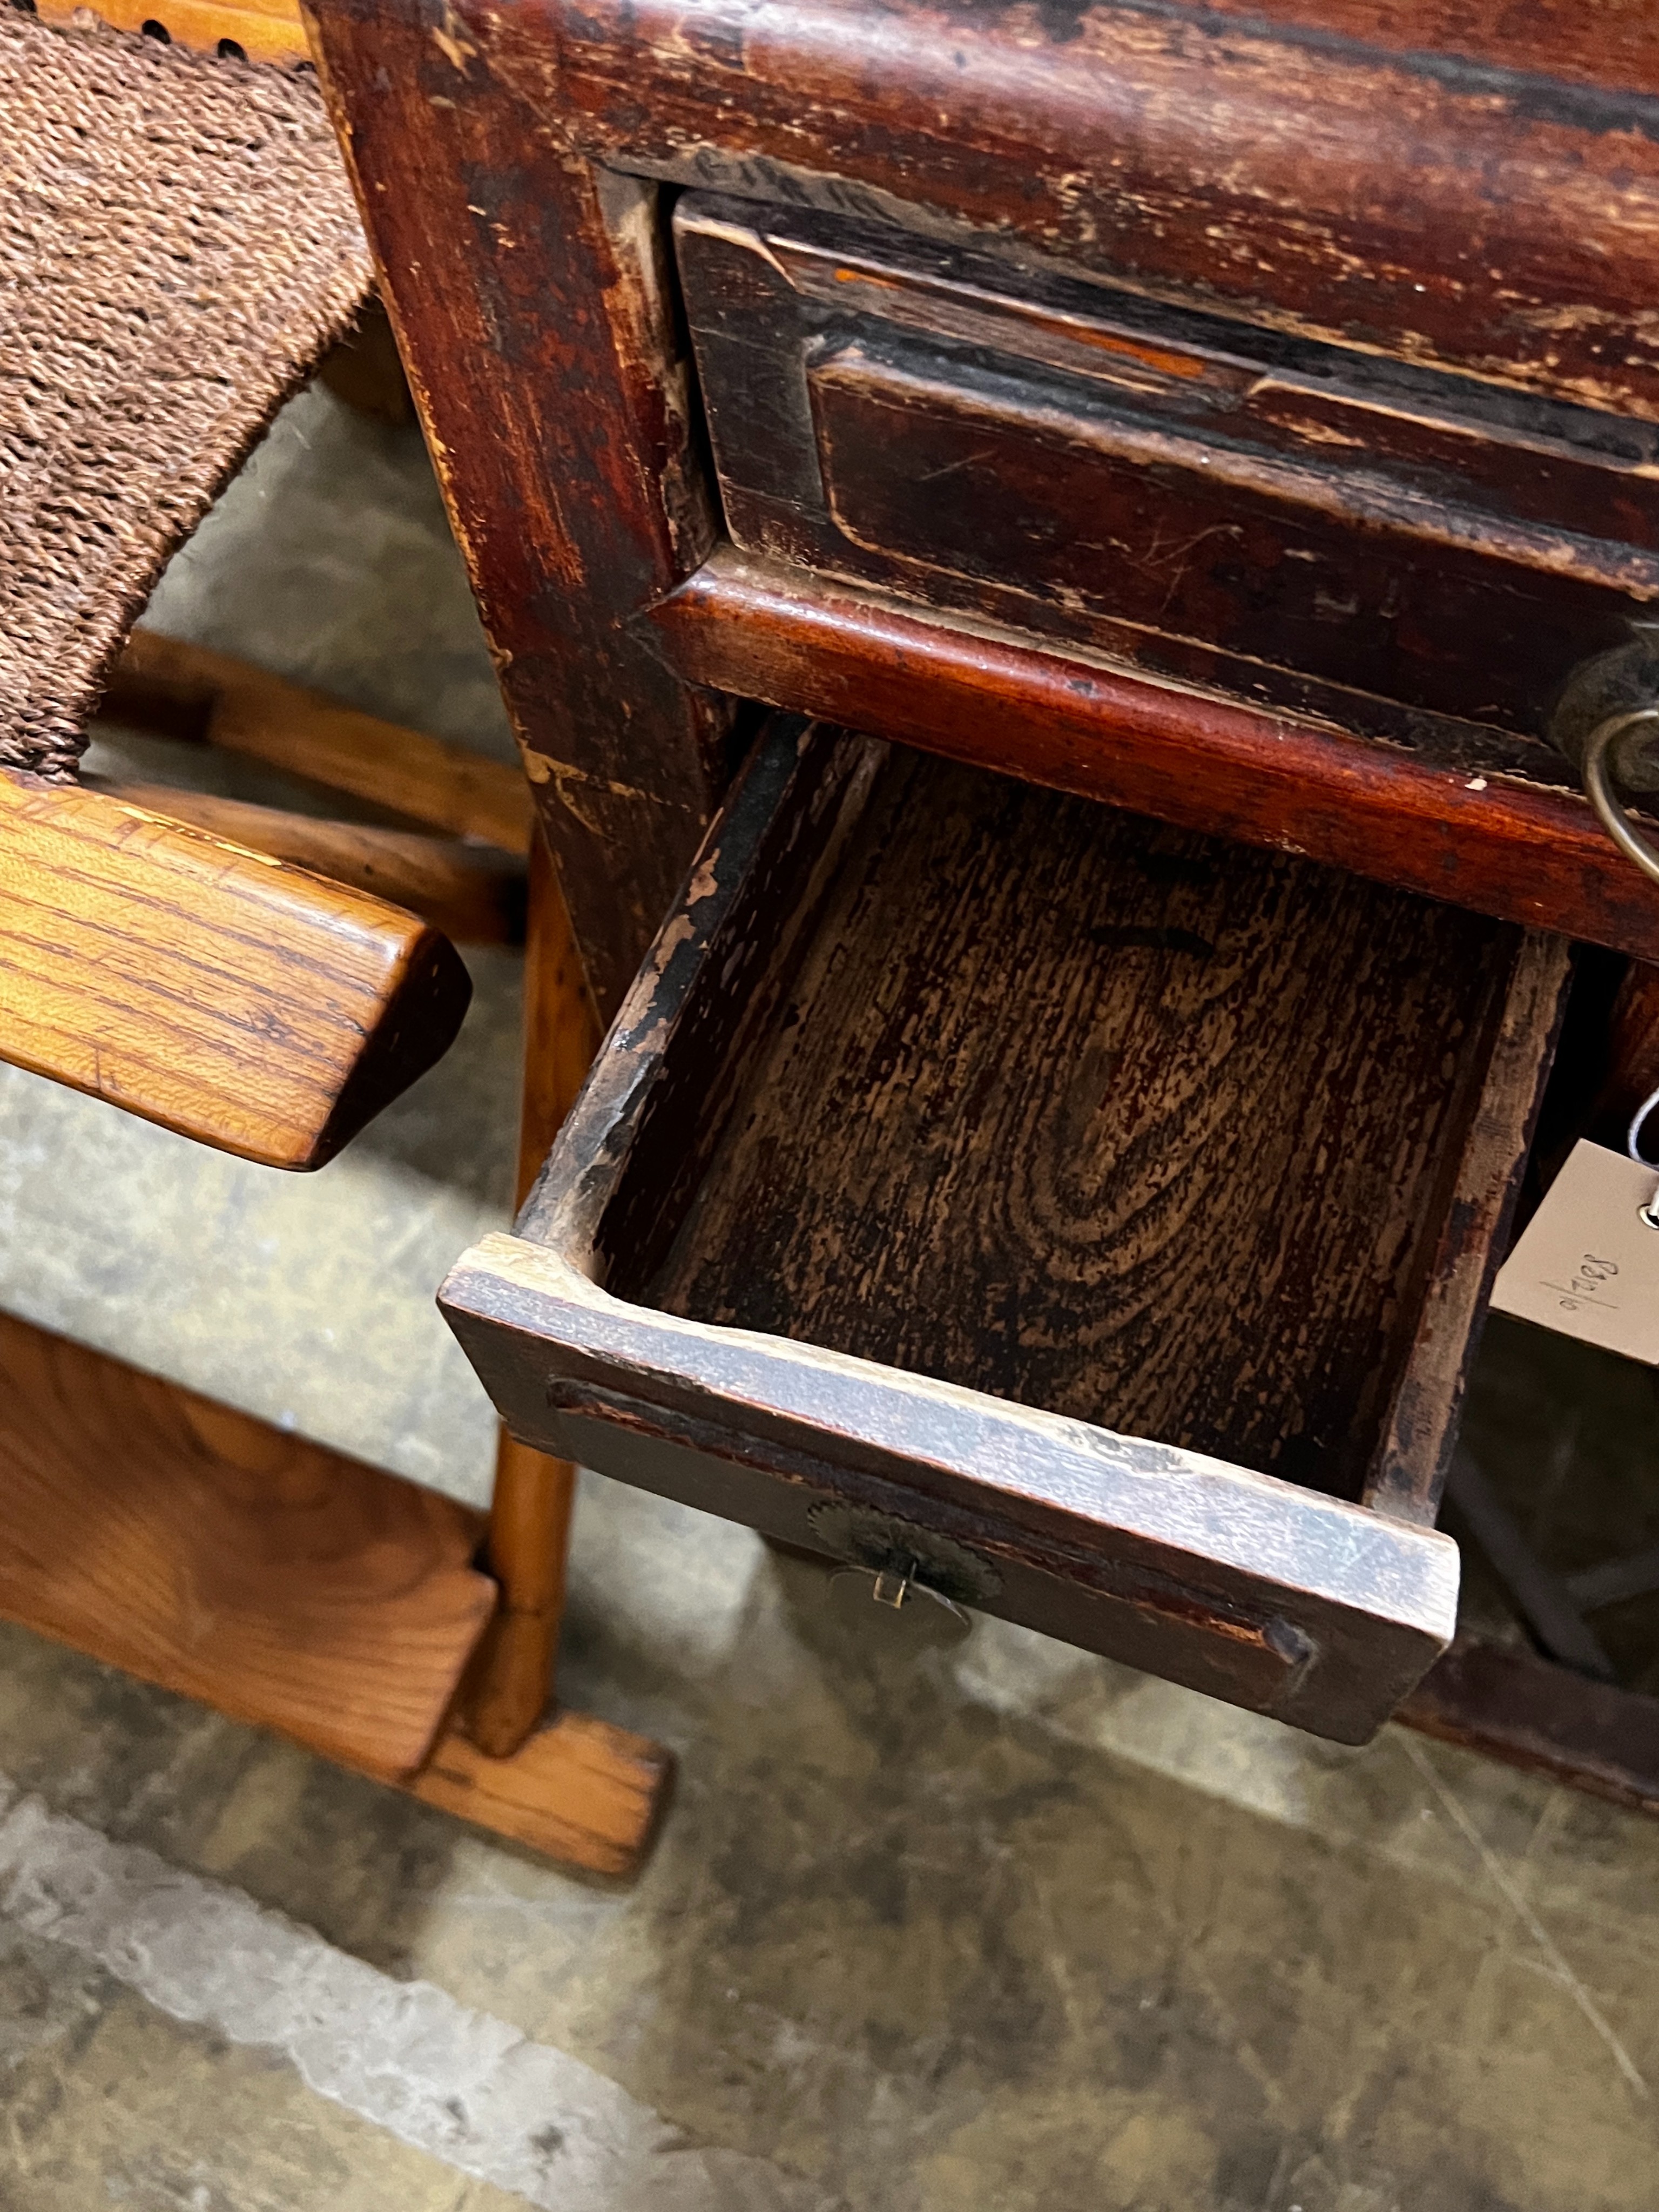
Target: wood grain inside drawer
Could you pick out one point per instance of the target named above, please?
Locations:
(1111, 1203)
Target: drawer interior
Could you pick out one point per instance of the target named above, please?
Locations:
(1012, 1090)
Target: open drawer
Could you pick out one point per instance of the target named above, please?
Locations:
(1085, 1218)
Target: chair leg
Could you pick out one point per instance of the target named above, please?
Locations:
(529, 1511)
(572, 1787)
(529, 1539)
(361, 1666)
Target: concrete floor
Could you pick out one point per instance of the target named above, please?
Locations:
(1012, 1929)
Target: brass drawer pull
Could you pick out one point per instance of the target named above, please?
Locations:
(1605, 702)
(1599, 766)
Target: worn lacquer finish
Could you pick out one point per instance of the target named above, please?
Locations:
(1238, 1585)
(1432, 237)
(527, 291)
(1125, 517)
(1426, 818)
(1301, 523)
(1488, 201)
(1416, 482)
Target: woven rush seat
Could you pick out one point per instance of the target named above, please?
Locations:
(178, 248)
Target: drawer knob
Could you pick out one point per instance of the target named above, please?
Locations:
(881, 1543)
(909, 1583)
(906, 1611)
(1606, 723)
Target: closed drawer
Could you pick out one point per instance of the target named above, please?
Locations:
(1090, 1215)
(1412, 553)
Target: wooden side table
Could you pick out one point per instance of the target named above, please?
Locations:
(1247, 421)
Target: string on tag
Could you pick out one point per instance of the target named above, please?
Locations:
(1633, 1146)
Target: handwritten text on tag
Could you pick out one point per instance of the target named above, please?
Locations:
(1588, 1264)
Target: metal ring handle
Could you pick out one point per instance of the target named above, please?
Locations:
(1615, 818)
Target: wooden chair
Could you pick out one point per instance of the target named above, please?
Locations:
(1091, 404)
(260, 980)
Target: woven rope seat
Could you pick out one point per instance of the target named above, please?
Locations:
(179, 249)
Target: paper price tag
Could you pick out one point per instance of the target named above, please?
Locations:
(1588, 1265)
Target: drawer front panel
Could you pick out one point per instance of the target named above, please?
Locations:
(1284, 1601)
(1262, 556)
(1316, 1657)
(1414, 555)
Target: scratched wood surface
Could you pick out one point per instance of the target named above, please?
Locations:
(1322, 1609)
(534, 313)
(202, 985)
(1438, 182)
(1104, 1117)
(1444, 185)
(1429, 820)
(1263, 557)
(200, 1549)
(1305, 525)
(1598, 42)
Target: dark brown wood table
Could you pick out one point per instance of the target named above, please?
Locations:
(1247, 421)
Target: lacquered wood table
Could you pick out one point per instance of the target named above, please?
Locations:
(1056, 1150)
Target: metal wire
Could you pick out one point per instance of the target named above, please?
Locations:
(1607, 802)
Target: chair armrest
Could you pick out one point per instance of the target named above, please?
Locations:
(226, 995)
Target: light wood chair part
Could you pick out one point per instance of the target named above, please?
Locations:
(271, 32)
(207, 986)
(282, 1583)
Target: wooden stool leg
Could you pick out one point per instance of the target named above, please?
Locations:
(576, 1787)
(529, 1537)
(530, 1510)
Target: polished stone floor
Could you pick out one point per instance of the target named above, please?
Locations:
(1009, 1929)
